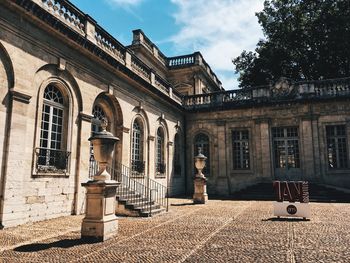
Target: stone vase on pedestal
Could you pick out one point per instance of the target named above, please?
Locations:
(200, 195)
(100, 222)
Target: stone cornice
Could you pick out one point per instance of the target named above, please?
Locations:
(86, 116)
(20, 96)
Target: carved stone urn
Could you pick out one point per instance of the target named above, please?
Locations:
(200, 195)
(103, 145)
(100, 222)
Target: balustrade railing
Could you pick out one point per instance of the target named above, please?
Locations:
(332, 88)
(162, 84)
(181, 60)
(301, 90)
(66, 12)
(141, 68)
(109, 43)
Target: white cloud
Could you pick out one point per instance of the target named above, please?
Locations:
(126, 2)
(219, 29)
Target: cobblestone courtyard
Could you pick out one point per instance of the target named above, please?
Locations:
(221, 231)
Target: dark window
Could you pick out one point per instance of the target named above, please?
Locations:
(240, 149)
(286, 147)
(177, 155)
(336, 147)
(137, 163)
(160, 164)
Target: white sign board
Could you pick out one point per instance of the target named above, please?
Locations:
(291, 209)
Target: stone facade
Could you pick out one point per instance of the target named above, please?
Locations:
(52, 44)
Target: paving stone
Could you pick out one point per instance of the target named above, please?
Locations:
(220, 231)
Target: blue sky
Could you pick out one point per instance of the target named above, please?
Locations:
(219, 29)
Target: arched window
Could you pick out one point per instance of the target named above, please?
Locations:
(52, 154)
(99, 115)
(202, 141)
(177, 155)
(137, 163)
(160, 155)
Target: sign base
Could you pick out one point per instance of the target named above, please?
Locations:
(291, 209)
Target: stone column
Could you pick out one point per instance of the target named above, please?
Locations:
(308, 151)
(266, 161)
(17, 161)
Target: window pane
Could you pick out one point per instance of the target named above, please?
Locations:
(336, 146)
(240, 149)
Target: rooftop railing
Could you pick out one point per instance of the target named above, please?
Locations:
(190, 60)
(87, 28)
(66, 12)
(323, 89)
(109, 44)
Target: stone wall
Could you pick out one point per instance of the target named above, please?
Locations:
(40, 57)
(310, 119)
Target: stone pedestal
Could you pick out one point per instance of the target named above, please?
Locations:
(100, 222)
(200, 195)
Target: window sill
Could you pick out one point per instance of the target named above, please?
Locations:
(160, 176)
(58, 175)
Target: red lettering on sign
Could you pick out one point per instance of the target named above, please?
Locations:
(292, 191)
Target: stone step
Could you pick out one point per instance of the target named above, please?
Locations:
(317, 193)
(146, 213)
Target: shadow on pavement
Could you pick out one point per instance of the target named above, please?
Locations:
(285, 219)
(65, 243)
(183, 204)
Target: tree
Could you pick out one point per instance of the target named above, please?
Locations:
(304, 39)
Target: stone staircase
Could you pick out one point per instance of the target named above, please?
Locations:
(317, 192)
(130, 203)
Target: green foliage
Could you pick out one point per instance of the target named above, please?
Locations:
(304, 39)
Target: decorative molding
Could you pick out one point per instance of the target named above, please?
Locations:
(62, 64)
(139, 107)
(170, 143)
(262, 120)
(151, 138)
(110, 90)
(20, 96)
(220, 123)
(125, 129)
(86, 116)
(309, 117)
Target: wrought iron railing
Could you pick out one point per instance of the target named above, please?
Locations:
(51, 161)
(138, 168)
(161, 168)
(143, 192)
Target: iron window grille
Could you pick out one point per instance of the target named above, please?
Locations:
(51, 161)
(161, 168)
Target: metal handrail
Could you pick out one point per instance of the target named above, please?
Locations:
(136, 189)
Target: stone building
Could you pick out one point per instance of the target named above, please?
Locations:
(61, 74)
